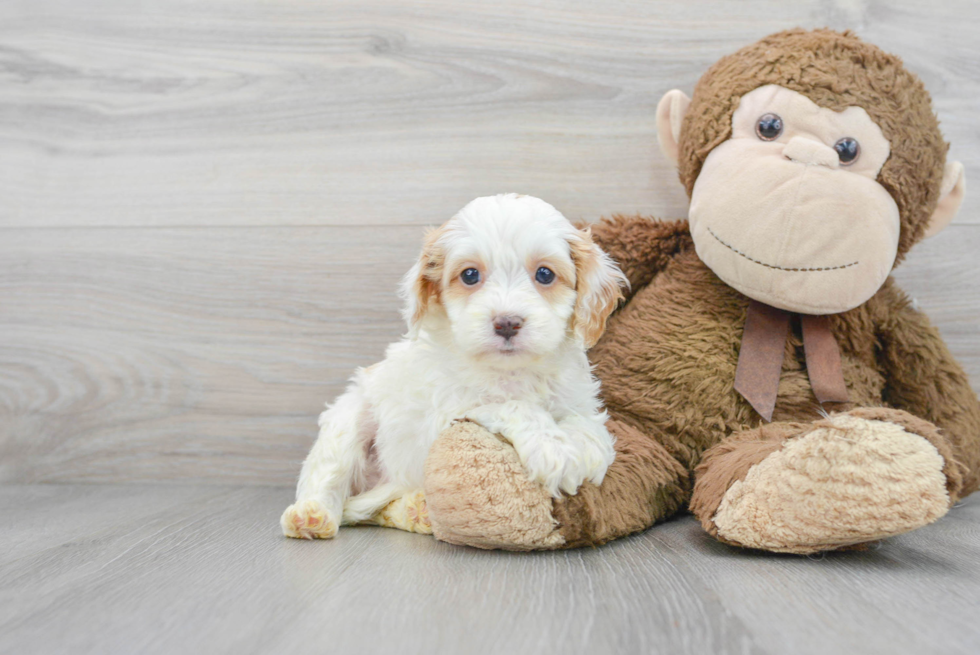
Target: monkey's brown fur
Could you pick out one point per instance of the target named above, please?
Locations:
(667, 365)
(667, 360)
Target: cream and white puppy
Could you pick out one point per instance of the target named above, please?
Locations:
(501, 307)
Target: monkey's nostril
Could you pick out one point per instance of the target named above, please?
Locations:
(507, 326)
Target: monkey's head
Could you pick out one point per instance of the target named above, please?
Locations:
(814, 162)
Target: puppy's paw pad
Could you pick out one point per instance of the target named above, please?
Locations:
(409, 513)
(308, 520)
(418, 514)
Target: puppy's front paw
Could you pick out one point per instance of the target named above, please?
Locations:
(308, 519)
(595, 458)
(492, 417)
(549, 462)
(572, 460)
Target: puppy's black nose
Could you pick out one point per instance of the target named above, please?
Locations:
(507, 326)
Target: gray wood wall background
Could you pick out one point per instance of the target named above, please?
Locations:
(205, 205)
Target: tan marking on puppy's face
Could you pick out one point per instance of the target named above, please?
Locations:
(557, 292)
(500, 243)
(503, 290)
(507, 239)
(455, 288)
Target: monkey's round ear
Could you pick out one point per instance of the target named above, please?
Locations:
(950, 198)
(670, 115)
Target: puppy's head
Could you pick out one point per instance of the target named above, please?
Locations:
(509, 279)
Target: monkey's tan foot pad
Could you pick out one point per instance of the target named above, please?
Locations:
(848, 481)
(409, 513)
(308, 519)
(479, 495)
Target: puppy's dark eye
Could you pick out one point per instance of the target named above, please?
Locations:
(544, 275)
(848, 150)
(769, 127)
(470, 276)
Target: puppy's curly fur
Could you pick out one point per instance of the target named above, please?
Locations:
(501, 307)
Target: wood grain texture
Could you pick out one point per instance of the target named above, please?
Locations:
(165, 569)
(206, 354)
(298, 112)
(206, 206)
(185, 353)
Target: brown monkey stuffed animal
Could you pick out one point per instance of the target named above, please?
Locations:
(765, 370)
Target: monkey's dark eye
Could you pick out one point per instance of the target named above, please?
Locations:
(470, 276)
(769, 127)
(545, 275)
(848, 150)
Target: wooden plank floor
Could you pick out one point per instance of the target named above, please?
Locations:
(188, 569)
(204, 212)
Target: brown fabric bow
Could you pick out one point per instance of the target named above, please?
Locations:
(760, 360)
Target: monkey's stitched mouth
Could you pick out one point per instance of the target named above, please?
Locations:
(779, 268)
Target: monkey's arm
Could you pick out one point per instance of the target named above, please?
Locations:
(923, 378)
(641, 246)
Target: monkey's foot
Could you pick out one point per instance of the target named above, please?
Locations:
(843, 481)
(308, 519)
(479, 495)
(409, 513)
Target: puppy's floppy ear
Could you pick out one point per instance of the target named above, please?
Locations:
(422, 285)
(598, 285)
